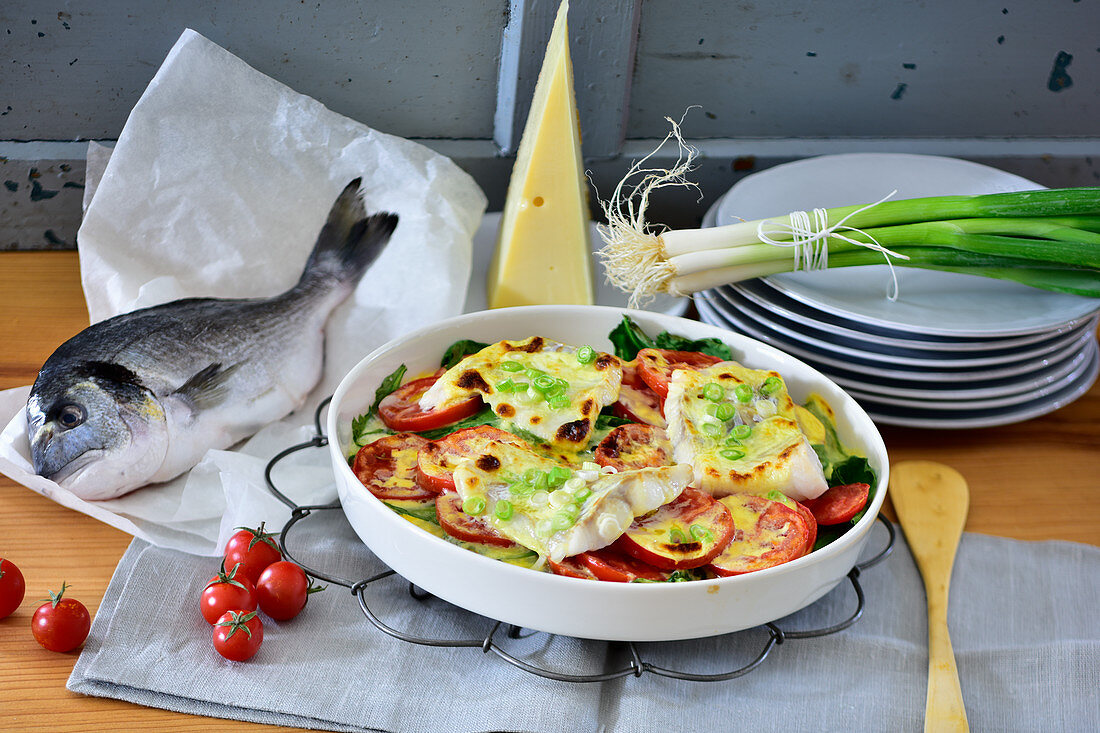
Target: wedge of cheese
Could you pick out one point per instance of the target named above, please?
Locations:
(543, 254)
(739, 430)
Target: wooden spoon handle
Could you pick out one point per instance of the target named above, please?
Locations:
(944, 709)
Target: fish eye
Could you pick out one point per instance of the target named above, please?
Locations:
(69, 416)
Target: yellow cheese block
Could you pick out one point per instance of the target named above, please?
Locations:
(542, 253)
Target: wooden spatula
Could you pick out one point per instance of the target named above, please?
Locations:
(931, 501)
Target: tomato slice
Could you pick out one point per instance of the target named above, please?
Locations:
(634, 446)
(655, 366)
(436, 462)
(688, 532)
(462, 526)
(607, 564)
(571, 567)
(778, 535)
(839, 504)
(811, 523)
(400, 410)
(387, 467)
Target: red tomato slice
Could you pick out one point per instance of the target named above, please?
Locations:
(811, 522)
(839, 504)
(634, 446)
(387, 467)
(400, 410)
(462, 526)
(779, 535)
(571, 567)
(655, 366)
(650, 538)
(607, 564)
(437, 460)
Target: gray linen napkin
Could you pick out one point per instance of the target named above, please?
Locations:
(1023, 622)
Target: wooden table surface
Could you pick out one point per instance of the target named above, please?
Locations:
(1036, 480)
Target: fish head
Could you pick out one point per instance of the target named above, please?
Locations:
(95, 429)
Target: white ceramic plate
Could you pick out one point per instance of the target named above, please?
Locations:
(584, 608)
(827, 361)
(930, 302)
(485, 240)
(769, 300)
(937, 420)
(738, 311)
(1034, 397)
(990, 389)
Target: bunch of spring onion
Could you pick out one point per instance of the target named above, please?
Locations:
(1046, 238)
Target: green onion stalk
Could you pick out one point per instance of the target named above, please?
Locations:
(1047, 238)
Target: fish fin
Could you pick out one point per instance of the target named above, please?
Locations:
(207, 387)
(350, 240)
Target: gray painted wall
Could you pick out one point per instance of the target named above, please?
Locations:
(1013, 83)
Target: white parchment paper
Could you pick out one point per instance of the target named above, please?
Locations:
(218, 186)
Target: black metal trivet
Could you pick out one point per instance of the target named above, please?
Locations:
(493, 640)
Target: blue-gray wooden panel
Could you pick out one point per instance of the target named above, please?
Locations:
(415, 68)
(939, 68)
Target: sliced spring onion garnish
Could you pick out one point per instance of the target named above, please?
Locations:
(563, 520)
(676, 536)
(558, 475)
(506, 386)
(740, 432)
(725, 411)
(586, 355)
(732, 454)
(771, 385)
(713, 392)
(700, 533)
(503, 510)
(474, 505)
(743, 393)
(511, 366)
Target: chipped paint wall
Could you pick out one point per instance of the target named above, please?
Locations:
(868, 68)
(1013, 83)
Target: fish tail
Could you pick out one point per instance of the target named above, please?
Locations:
(349, 241)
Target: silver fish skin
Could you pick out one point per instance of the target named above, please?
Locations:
(140, 398)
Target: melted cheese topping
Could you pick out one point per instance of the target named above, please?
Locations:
(507, 375)
(758, 448)
(561, 522)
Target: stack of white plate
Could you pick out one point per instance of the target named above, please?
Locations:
(952, 351)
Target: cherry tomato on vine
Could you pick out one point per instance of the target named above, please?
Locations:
(254, 549)
(12, 588)
(283, 590)
(226, 592)
(61, 624)
(238, 635)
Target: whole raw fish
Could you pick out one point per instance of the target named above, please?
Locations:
(141, 397)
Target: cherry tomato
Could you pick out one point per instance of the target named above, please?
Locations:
(571, 567)
(839, 504)
(634, 446)
(387, 467)
(283, 590)
(400, 410)
(238, 635)
(655, 366)
(688, 532)
(253, 549)
(226, 592)
(607, 564)
(436, 461)
(61, 624)
(778, 535)
(12, 588)
(462, 526)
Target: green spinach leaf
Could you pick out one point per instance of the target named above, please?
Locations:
(459, 350)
